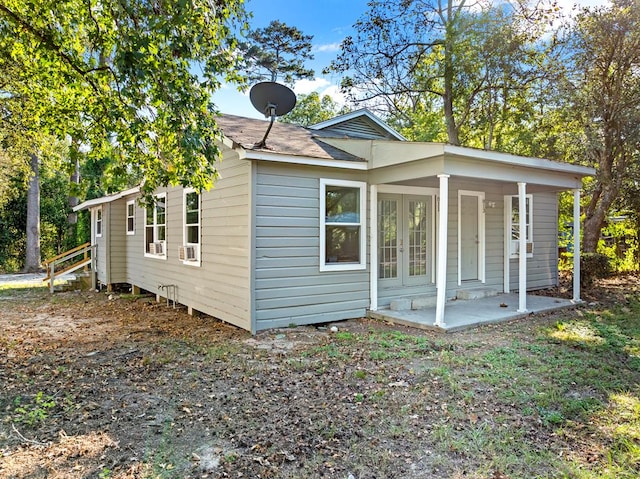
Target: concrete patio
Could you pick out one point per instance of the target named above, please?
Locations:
(465, 314)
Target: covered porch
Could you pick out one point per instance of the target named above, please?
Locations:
(497, 187)
(463, 314)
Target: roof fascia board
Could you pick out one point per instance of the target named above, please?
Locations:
(514, 160)
(106, 199)
(305, 160)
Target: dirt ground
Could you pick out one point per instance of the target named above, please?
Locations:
(97, 385)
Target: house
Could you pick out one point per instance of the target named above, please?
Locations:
(329, 222)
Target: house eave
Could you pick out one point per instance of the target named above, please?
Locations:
(106, 199)
(305, 160)
(515, 160)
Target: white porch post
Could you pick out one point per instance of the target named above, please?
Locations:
(441, 274)
(576, 245)
(373, 247)
(522, 250)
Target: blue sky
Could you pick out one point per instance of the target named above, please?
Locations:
(329, 21)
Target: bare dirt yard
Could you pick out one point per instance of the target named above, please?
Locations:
(96, 385)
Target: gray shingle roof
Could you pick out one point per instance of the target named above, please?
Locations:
(284, 138)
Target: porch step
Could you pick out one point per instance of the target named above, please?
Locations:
(419, 302)
(476, 293)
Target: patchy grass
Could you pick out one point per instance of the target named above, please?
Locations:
(127, 388)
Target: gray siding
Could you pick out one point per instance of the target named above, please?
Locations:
(542, 269)
(117, 251)
(289, 287)
(220, 287)
(360, 127)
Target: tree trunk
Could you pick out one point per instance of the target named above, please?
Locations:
(32, 254)
(597, 212)
(72, 217)
(447, 97)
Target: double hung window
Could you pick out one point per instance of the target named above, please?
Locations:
(156, 228)
(342, 225)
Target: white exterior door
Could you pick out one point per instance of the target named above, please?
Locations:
(404, 241)
(471, 237)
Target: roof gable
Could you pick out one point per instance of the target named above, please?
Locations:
(358, 124)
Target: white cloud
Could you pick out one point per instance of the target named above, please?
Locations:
(327, 47)
(322, 86)
(304, 87)
(334, 92)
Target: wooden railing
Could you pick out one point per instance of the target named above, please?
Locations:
(88, 259)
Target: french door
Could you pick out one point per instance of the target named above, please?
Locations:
(405, 240)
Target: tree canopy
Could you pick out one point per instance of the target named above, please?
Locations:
(275, 52)
(129, 80)
(468, 61)
(311, 109)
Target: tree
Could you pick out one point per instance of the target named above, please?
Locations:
(604, 93)
(467, 60)
(128, 80)
(311, 109)
(277, 51)
(32, 255)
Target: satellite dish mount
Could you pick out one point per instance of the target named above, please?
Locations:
(272, 99)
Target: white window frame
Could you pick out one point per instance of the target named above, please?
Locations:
(131, 217)
(99, 224)
(513, 244)
(185, 225)
(155, 228)
(362, 264)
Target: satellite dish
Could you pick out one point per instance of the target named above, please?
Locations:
(272, 99)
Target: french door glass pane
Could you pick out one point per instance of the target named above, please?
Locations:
(388, 239)
(417, 217)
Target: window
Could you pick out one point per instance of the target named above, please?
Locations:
(131, 217)
(99, 222)
(155, 229)
(190, 251)
(514, 217)
(342, 225)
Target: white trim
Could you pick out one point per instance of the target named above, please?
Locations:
(407, 190)
(194, 262)
(373, 247)
(441, 280)
(526, 161)
(106, 199)
(355, 114)
(133, 217)
(306, 160)
(480, 195)
(164, 255)
(99, 220)
(362, 264)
